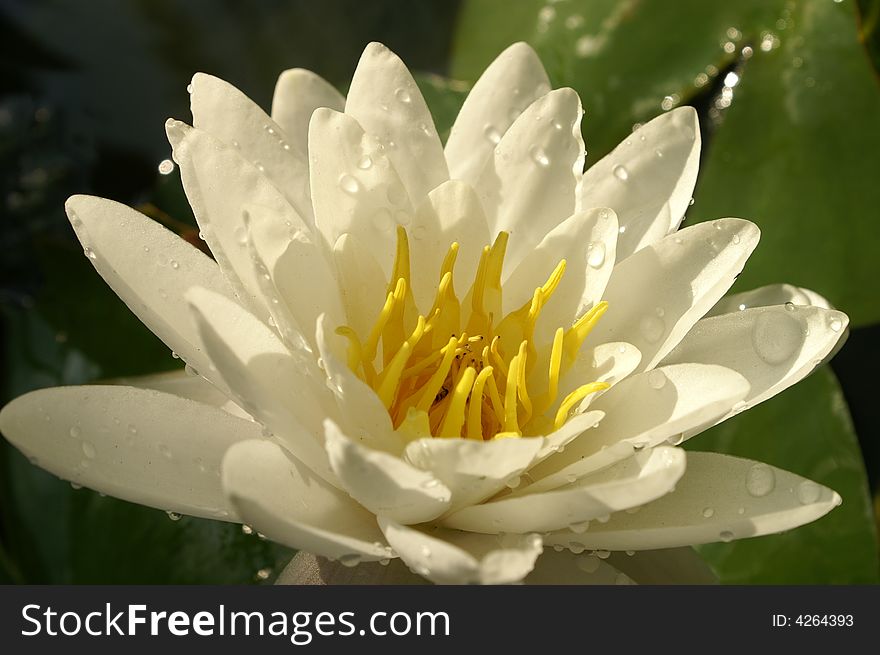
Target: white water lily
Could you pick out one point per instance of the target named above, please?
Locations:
(452, 355)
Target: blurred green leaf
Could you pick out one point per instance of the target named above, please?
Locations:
(797, 152)
(807, 430)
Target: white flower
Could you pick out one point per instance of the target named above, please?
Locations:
(452, 355)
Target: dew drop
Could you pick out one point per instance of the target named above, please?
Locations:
(513, 482)
(263, 574)
(350, 560)
(603, 554)
(726, 536)
(189, 88)
(75, 432)
(492, 134)
(539, 156)
(808, 492)
(760, 480)
(88, 252)
(246, 529)
(89, 449)
(558, 548)
(658, 152)
(652, 328)
(174, 264)
(174, 516)
(576, 548)
(596, 254)
(776, 337)
(708, 512)
(835, 324)
(620, 173)
(403, 95)
(657, 379)
(579, 528)
(348, 184)
(166, 167)
(75, 486)
(365, 162)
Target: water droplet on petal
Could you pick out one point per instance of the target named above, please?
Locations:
(403, 95)
(492, 134)
(174, 264)
(174, 516)
(596, 254)
(75, 432)
(808, 492)
(652, 328)
(88, 252)
(603, 554)
(513, 482)
(835, 324)
(657, 379)
(89, 449)
(760, 480)
(350, 560)
(365, 162)
(726, 536)
(588, 563)
(348, 184)
(539, 156)
(708, 512)
(620, 173)
(776, 337)
(579, 528)
(166, 167)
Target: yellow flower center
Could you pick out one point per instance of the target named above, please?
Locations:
(455, 372)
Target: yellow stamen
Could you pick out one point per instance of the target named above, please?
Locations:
(435, 383)
(454, 419)
(511, 423)
(581, 328)
(475, 407)
(389, 379)
(574, 398)
(355, 350)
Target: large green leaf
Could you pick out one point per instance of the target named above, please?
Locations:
(797, 152)
(807, 430)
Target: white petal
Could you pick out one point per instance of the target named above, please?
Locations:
(447, 557)
(282, 389)
(301, 276)
(298, 93)
(383, 483)
(279, 497)
(678, 279)
(473, 470)
(451, 213)
(667, 566)
(149, 267)
(772, 294)
(557, 440)
(355, 188)
(640, 479)
(528, 185)
(359, 409)
(229, 115)
(385, 100)
(140, 445)
(567, 568)
(510, 84)
(643, 411)
(648, 179)
(719, 498)
(361, 282)
(586, 242)
(220, 184)
(185, 384)
(772, 347)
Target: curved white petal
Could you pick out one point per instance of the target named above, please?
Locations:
(229, 115)
(448, 557)
(361, 282)
(220, 185)
(772, 347)
(720, 498)
(528, 185)
(301, 278)
(678, 279)
(298, 93)
(510, 84)
(385, 100)
(149, 268)
(567, 568)
(640, 479)
(185, 384)
(140, 445)
(473, 470)
(359, 409)
(355, 186)
(607, 362)
(451, 213)
(643, 411)
(586, 241)
(557, 440)
(281, 498)
(772, 294)
(648, 179)
(384, 484)
(282, 389)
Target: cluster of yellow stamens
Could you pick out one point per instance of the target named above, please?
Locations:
(455, 373)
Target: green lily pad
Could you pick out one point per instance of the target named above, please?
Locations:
(807, 430)
(797, 151)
